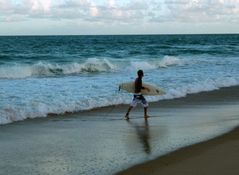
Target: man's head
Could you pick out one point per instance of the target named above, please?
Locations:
(140, 73)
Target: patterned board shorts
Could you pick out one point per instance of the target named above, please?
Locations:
(139, 99)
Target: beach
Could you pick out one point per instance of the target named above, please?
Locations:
(71, 71)
(217, 156)
(100, 141)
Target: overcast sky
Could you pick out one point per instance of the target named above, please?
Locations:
(73, 17)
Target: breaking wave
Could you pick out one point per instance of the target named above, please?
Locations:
(92, 65)
(48, 69)
(170, 61)
(166, 61)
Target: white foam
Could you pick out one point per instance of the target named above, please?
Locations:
(165, 62)
(135, 65)
(15, 71)
(91, 65)
(196, 87)
(68, 101)
(170, 61)
(57, 106)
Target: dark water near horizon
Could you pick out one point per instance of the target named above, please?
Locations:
(66, 49)
(57, 74)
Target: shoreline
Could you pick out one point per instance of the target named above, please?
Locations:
(229, 95)
(219, 156)
(100, 141)
(223, 96)
(178, 161)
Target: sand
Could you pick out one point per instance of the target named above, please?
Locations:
(218, 156)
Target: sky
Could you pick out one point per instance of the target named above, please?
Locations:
(96, 17)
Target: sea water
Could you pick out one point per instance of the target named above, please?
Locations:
(41, 75)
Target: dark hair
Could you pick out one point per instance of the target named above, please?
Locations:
(140, 72)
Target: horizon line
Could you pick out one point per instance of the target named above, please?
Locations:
(119, 34)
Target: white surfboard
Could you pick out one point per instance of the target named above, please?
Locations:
(153, 90)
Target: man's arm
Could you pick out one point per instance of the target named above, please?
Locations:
(142, 87)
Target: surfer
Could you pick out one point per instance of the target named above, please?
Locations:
(138, 97)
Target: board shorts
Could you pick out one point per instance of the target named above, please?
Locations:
(139, 98)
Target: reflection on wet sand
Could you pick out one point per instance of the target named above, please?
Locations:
(143, 133)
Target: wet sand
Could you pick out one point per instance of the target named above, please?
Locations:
(217, 156)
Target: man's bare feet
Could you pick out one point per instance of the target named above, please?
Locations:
(127, 116)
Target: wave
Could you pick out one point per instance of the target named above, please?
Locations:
(166, 61)
(170, 61)
(197, 87)
(43, 108)
(41, 69)
(135, 65)
(92, 65)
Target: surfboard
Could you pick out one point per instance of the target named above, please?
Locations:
(153, 90)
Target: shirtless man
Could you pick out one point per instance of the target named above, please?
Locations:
(138, 97)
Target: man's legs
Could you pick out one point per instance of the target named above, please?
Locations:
(145, 112)
(132, 105)
(134, 102)
(127, 113)
(145, 105)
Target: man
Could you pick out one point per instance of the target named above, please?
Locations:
(138, 97)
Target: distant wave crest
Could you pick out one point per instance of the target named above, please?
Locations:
(91, 65)
(165, 62)
(41, 69)
(170, 61)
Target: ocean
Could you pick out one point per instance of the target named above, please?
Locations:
(42, 75)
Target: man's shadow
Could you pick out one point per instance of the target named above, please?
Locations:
(143, 133)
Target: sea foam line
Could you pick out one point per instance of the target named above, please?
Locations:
(42, 108)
